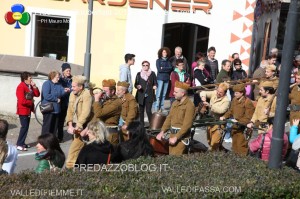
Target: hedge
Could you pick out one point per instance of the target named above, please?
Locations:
(201, 175)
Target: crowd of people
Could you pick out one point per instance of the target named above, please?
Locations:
(108, 125)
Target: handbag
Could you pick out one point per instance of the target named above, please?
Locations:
(46, 108)
(28, 96)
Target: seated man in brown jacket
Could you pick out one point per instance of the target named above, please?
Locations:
(129, 107)
(218, 105)
(179, 120)
(241, 110)
(107, 108)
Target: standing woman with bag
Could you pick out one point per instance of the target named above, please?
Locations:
(145, 83)
(25, 92)
(51, 94)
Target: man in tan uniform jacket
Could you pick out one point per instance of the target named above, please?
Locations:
(241, 110)
(219, 104)
(107, 108)
(271, 76)
(265, 106)
(129, 107)
(294, 96)
(180, 120)
(78, 115)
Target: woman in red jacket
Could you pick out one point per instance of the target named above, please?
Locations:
(26, 90)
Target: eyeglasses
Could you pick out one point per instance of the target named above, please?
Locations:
(146, 65)
(238, 64)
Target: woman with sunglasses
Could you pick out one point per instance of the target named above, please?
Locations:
(145, 83)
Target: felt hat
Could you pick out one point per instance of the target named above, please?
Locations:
(238, 88)
(108, 83)
(182, 85)
(124, 84)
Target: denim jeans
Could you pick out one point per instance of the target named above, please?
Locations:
(162, 87)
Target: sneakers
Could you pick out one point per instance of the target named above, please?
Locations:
(27, 146)
(229, 140)
(21, 148)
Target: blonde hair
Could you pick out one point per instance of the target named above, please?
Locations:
(79, 79)
(200, 63)
(99, 130)
(52, 74)
(3, 151)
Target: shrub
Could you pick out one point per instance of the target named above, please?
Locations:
(202, 175)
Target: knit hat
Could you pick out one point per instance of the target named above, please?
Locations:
(65, 66)
(124, 84)
(238, 88)
(108, 83)
(182, 85)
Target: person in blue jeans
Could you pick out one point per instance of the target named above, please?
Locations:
(164, 69)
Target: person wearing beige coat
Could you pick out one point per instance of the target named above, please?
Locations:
(79, 113)
(218, 105)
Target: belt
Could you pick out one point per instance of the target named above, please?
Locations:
(112, 127)
(294, 107)
(174, 130)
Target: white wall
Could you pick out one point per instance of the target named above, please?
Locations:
(144, 29)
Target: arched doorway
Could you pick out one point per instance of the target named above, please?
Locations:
(191, 37)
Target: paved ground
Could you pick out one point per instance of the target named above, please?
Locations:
(26, 159)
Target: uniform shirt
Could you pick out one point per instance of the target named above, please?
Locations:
(295, 95)
(274, 80)
(240, 109)
(109, 112)
(129, 108)
(262, 104)
(181, 116)
(218, 106)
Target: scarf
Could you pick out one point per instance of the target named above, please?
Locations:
(180, 74)
(145, 74)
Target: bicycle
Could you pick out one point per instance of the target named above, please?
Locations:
(38, 114)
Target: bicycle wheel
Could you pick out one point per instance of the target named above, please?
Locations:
(37, 113)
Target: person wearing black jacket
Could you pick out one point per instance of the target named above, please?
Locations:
(146, 84)
(201, 77)
(138, 144)
(97, 150)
